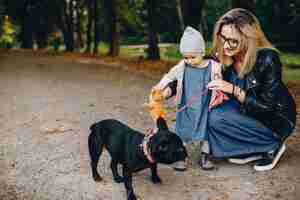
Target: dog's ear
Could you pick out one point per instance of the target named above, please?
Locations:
(161, 124)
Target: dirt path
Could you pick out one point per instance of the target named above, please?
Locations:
(46, 91)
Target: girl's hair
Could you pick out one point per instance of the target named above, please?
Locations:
(252, 38)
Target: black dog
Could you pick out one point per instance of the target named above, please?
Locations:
(133, 150)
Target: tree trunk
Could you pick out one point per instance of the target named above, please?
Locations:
(79, 16)
(27, 34)
(68, 25)
(71, 25)
(42, 39)
(89, 27)
(114, 36)
(180, 15)
(297, 33)
(27, 29)
(153, 49)
(246, 4)
(203, 27)
(96, 27)
(281, 15)
(192, 12)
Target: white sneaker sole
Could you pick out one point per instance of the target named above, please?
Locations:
(179, 166)
(275, 161)
(245, 160)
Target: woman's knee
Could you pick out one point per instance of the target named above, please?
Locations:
(215, 119)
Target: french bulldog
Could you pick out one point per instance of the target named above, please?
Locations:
(133, 150)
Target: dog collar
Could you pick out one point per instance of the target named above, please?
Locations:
(145, 146)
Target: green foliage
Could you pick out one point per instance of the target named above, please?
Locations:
(279, 19)
(291, 66)
(138, 39)
(214, 10)
(291, 60)
(7, 38)
(131, 21)
(172, 53)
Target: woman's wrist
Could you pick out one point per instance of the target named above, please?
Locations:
(233, 88)
(239, 94)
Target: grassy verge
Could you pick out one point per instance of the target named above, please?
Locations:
(171, 54)
(291, 70)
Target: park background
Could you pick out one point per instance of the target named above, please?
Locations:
(65, 64)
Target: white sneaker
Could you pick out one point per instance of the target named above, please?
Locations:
(270, 162)
(179, 166)
(246, 160)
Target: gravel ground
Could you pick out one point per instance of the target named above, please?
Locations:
(39, 93)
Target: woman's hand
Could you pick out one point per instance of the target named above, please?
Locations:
(220, 85)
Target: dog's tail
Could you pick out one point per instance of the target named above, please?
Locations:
(96, 145)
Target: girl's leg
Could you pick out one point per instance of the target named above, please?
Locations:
(204, 146)
(205, 162)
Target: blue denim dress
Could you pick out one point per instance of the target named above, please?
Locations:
(191, 123)
(232, 133)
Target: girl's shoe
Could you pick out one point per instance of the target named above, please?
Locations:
(205, 163)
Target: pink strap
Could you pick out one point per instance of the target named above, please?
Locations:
(192, 100)
(146, 150)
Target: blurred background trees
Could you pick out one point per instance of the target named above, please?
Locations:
(81, 25)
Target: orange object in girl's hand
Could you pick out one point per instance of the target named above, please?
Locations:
(156, 105)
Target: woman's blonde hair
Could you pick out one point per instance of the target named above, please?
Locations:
(252, 38)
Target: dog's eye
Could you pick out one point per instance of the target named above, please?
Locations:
(162, 148)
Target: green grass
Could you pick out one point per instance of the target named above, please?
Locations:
(291, 61)
(132, 52)
(291, 67)
(291, 75)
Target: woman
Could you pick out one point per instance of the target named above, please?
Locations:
(261, 113)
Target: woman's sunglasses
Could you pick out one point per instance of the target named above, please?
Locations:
(190, 57)
(233, 43)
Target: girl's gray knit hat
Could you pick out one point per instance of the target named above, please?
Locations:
(192, 42)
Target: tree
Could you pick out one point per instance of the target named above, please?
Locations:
(27, 26)
(96, 27)
(80, 6)
(89, 26)
(3, 12)
(192, 12)
(180, 15)
(246, 4)
(153, 49)
(113, 17)
(8, 32)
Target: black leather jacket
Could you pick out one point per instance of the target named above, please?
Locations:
(267, 98)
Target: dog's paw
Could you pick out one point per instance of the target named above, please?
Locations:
(156, 180)
(97, 178)
(119, 179)
(131, 196)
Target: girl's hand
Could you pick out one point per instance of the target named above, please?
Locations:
(220, 85)
(166, 92)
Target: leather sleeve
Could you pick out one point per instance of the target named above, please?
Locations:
(263, 97)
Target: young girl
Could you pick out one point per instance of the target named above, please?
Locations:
(192, 74)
